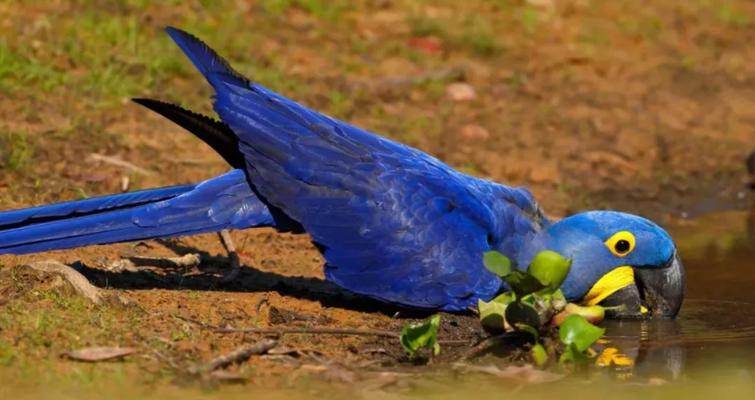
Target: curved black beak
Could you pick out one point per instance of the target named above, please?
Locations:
(662, 290)
(657, 293)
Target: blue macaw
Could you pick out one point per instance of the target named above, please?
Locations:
(392, 222)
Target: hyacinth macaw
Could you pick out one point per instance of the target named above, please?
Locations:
(391, 222)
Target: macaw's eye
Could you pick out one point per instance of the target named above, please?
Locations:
(621, 243)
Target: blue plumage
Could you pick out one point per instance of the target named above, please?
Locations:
(392, 222)
(224, 202)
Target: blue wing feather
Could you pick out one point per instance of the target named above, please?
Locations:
(224, 202)
(88, 206)
(392, 222)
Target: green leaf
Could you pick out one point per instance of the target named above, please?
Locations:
(530, 299)
(528, 329)
(575, 330)
(504, 298)
(550, 268)
(571, 354)
(523, 317)
(522, 283)
(497, 263)
(492, 316)
(420, 335)
(539, 355)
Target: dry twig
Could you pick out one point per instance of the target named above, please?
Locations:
(303, 330)
(120, 163)
(287, 330)
(239, 355)
(75, 278)
(184, 261)
(97, 354)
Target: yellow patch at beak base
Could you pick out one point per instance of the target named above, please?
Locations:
(617, 279)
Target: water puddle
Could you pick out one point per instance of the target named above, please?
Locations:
(716, 326)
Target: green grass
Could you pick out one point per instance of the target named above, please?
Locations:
(478, 36)
(20, 72)
(339, 104)
(529, 17)
(57, 321)
(123, 60)
(103, 57)
(424, 26)
(731, 15)
(472, 34)
(16, 152)
(7, 353)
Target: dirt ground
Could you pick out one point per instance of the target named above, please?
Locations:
(590, 104)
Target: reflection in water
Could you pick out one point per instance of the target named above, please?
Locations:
(717, 323)
(646, 343)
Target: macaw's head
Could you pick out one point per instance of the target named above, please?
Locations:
(624, 262)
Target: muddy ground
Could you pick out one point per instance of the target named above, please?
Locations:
(590, 104)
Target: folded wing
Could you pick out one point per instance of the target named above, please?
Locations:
(392, 222)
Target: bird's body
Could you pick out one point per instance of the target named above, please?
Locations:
(392, 222)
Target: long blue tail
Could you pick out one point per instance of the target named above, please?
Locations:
(223, 202)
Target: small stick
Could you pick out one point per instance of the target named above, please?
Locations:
(302, 330)
(120, 163)
(239, 355)
(262, 302)
(454, 342)
(196, 322)
(184, 261)
(486, 343)
(287, 330)
(166, 359)
(283, 330)
(79, 282)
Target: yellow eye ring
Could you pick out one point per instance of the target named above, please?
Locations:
(621, 243)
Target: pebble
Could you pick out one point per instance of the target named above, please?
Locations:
(459, 91)
(473, 132)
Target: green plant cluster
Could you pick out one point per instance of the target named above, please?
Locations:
(536, 305)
